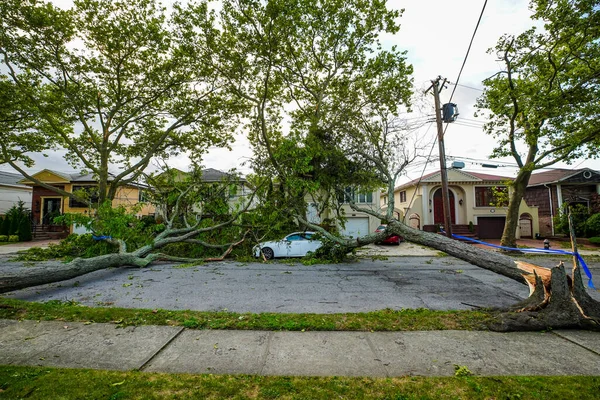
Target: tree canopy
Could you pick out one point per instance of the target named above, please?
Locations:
(544, 104)
(119, 87)
(318, 81)
(18, 126)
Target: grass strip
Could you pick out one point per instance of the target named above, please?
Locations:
(384, 320)
(53, 383)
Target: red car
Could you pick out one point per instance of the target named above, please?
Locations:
(394, 239)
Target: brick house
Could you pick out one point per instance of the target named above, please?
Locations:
(548, 190)
(47, 204)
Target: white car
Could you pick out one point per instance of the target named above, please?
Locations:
(296, 244)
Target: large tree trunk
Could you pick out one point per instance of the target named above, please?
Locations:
(555, 300)
(50, 272)
(512, 214)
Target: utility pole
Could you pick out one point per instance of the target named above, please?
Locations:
(443, 171)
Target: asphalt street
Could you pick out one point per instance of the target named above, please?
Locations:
(439, 283)
(287, 286)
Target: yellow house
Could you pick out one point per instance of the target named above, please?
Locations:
(472, 200)
(46, 203)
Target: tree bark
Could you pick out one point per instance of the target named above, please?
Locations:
(50, 272)
(512, 214)
(555, 301)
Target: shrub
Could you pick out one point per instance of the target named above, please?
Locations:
(595, 240)
(579, 213)
(592, 225)
(4, 227)
(13, 218)
(13, 238)
(73, 246)
(3, 238)
(25, 230)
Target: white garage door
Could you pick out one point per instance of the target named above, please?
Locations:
(356, 227)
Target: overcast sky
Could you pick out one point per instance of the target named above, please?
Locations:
(436, 35)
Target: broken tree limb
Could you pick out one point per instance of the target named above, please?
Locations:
(54, 271)
(50, 272)
(555, 301)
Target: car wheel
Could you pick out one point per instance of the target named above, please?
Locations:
(268, 253)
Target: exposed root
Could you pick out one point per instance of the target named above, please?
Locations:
(555, 303)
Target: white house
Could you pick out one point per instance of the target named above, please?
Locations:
(12, 192)
(356, 223)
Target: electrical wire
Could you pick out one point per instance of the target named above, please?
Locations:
(423, 171)
(468, 125)
(465, 86)
(451, 96)
(468, 50)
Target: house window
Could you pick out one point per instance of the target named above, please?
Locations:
(403, 196)
(232, 191)
(366, 198)
(491, 196)
(142, 196)
(88, 192)
(357, 197)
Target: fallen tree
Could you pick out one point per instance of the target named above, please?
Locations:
(347, 138)
(50, 272)
(555, 301)
(342, 136)
(178, 229)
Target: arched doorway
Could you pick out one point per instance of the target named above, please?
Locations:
(414, 221)
(438, 207)
(525, 226)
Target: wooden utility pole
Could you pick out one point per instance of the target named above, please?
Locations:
(443, 171)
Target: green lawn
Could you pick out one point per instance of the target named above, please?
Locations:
(52, 383)
(384, 320)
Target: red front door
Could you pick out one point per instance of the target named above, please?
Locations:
(438, 207)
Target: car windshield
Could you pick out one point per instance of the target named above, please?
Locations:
(294, 237)
(299, 236)
(381, 228)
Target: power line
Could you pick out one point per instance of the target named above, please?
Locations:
(468, 50)
(466, 86)
(469, 125)
(474, 120)
(423, 171)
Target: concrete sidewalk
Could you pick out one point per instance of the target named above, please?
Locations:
(377, 354)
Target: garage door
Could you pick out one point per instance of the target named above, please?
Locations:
(356, 227)
(490, 227)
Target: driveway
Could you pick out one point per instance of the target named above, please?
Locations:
(15, 247)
